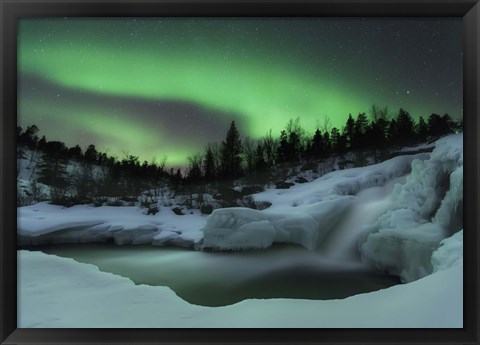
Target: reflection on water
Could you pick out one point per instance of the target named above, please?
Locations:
(282, 271)
(216, 279)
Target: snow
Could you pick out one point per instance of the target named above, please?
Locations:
(450, 252)
(417, 235)
(338, 183)
(243, 228)
(46, 223)
(303, 214)
(60, 292)
(424, 146)
(423, 211)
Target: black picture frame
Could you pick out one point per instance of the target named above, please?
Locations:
(11, 10)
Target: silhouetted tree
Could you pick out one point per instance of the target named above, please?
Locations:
(209, 167)
(231, 159)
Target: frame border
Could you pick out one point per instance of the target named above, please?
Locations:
(11, 10)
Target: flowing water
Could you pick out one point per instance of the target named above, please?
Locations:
(223, 278)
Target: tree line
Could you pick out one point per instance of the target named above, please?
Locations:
(98, 174)
(235, 158)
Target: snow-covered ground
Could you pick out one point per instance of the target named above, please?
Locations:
(303, 214)
(416, 236)
(59, 292)
(46, 223)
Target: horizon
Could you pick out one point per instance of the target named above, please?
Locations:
(168, 86)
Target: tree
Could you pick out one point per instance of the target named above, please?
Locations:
(260, 163)
(283, 148)
(439, 125)
(209, 166)
(405, 128)
(422, 129)
(249, 154)
(194, 174)
(231, 159)
(359, 131)
(317, 145)
(75, 152)
(295, 134)
(270, 148)
(83, 183)
(337, 142)
(91, 154)
(350, 131)
(53, 172)
(29, 137)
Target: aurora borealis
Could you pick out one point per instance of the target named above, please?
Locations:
(168, 86)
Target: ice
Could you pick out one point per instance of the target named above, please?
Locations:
(341, 182)
(303, 214)
(450, 252)
(58, 292)
(424, 211)
(242, 228)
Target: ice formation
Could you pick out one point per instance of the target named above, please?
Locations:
(449, 254)
(303, 214)
(243, 228)
(424, 211)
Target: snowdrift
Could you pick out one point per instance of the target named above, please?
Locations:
(424, 211)
(60, 292)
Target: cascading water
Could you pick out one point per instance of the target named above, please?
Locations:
(341, 244)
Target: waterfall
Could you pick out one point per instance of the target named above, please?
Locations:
(341, 243)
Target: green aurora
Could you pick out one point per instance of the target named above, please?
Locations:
(258, 72)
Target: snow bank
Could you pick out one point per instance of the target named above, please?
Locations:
(423, 211)
(243, 228)
(60, 292)
(45, 223)
(340, 182)
(303, 214)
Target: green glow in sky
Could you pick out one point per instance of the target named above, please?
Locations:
(249, 70)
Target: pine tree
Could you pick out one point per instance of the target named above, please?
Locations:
(283, 149)
(422, 129)
(405, 128)
(260, 163)
(231, 153)
(360, 129)
(209, 167)
(317, 145)
(350, 131)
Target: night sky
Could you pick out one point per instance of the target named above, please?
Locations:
(168, 86)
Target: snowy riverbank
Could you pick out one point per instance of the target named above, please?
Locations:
(59, 292)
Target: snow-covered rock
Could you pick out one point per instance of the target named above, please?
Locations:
(242, 228)
(424, 211)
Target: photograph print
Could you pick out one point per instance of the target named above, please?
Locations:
(237, 172)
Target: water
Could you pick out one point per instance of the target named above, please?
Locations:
(217, 279)
(341, 244)
(282, 271)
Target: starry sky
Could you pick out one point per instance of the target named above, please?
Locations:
(155, 87)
